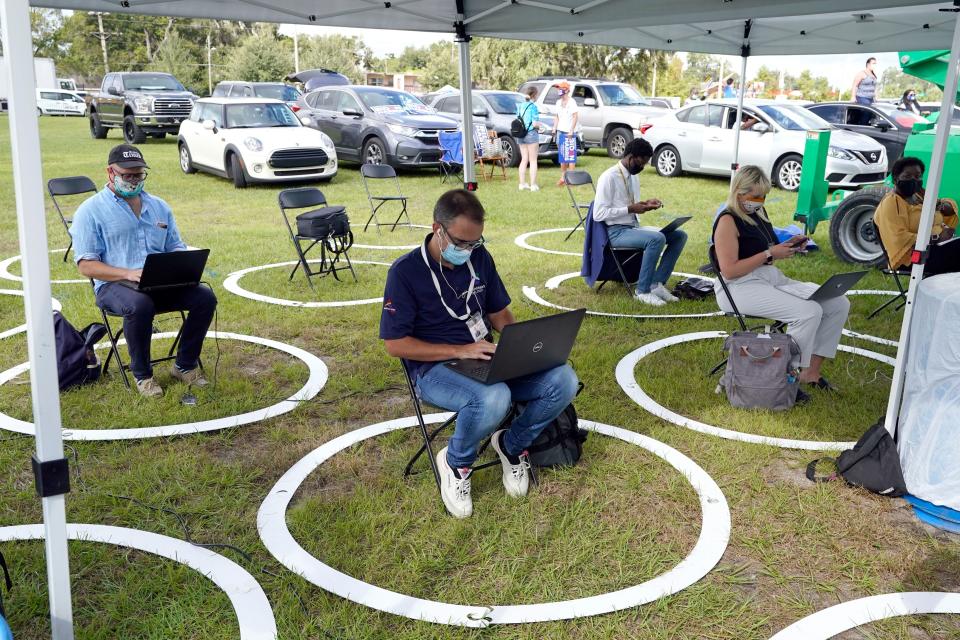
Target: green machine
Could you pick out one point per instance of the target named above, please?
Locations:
(850, 213)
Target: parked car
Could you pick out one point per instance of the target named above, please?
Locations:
(142, 103)
(62, 103)
(934, 107)
(497, 109)
(663, 103)
(611, 113)
(274, 90)
(253, 140)
(315, 78)
(881, 121)
(699, 139)
(377, 125)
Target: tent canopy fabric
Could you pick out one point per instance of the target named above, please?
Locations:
(707, 26)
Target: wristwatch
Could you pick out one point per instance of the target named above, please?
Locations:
(769, 255)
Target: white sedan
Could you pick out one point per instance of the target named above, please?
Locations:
(253, 140)
(59, 102)
(699, 139)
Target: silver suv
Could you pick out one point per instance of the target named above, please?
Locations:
(611, 113)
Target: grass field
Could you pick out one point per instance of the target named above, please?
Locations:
(619, 518)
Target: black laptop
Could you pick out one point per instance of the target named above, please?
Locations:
(837, 285)
(170, 270)
(675, 224)
(525, 348)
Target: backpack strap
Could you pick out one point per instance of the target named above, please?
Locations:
(6, 573)
(812, 471)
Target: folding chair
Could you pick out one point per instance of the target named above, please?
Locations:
(383, 172)
(333, 246)
(71, 186)
(489, 152)
(451, 162)
(576, 179)
(894, 272)
(620, 264)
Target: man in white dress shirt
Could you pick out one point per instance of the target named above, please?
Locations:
(617, 205)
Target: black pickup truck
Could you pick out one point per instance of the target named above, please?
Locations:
(141, 104)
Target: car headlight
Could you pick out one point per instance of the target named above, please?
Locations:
(253, 144)
(837, 152)
(402, 130)
(325, 140)
(143, 104)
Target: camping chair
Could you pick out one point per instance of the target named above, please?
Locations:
(894, 272)
(451, 162)
(333, 245)
(619, 264)
(777, 325)
(383, 172)
(71, 186)
(489, 152)
(576, 179)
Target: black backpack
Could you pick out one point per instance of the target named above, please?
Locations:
(694, 289)
(77, 363)
(873, 464)
(518, 128)
(324, 222)
(561, 443)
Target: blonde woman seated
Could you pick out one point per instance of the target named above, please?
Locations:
(747, 249)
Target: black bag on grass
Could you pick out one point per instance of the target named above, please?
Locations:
(323, 222)
(561, 443)
(694, 289)
(77, 363)
(873, 464)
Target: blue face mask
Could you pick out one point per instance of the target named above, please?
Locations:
(126, 189)
(455, 255)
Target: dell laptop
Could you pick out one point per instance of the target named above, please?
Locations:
(675, 224)
(837, 285)
(170, 270)
(525, 348)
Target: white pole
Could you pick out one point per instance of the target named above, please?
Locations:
(209, 66)
(736, 125)
(466, 108)
(32, 228)
(296, 50)
(934, 174)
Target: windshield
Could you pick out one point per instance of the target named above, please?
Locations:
(504, 102)
(391, 101)
(903, 118)
(276, 91)
(794, 118)
(151, 82)
(247, 116)
(619, 95)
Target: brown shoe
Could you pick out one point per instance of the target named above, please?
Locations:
(149, 388)
(194, 377)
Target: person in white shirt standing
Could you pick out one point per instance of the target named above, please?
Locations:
(568, 120)
(617, 205)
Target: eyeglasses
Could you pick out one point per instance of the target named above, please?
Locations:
(132, 177)
(466, 245)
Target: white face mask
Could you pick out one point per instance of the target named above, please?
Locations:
(751, 206)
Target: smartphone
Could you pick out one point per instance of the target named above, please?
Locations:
(799, 243)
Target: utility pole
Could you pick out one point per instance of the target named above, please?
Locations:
(209, 66)
(103, 42)
(296, 51)
(653, 87)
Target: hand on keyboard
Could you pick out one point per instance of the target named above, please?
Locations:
(482, 350)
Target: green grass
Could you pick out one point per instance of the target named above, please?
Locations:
(619, 518)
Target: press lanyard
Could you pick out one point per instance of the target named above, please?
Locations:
(436, 285)
(626, 185)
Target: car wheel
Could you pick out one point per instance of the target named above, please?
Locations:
(237, 173)
(374, 152)
(786, 174)
(667, 161)
(511, 150)
(132, 133)
(853, 235)
(97, 130)
(186, 162)
(617, 142)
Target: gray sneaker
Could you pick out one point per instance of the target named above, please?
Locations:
(149, 388)
(194, 377)
(454, 487)
(516, 477)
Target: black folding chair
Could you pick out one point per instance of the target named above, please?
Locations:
(777, 325)
(383, 172)
(893, 272)
(333, 246)
(72, 186)
(576, 179)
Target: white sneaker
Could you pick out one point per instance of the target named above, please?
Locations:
(534, 187)
(649, 298)
(516, 477)
(524, 186)
(454, 489)
(663, 293)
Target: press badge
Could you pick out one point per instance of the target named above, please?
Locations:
(477, 327)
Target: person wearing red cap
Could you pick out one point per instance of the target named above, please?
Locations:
(567, 123)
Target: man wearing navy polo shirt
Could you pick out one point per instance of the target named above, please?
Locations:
(113, 231)
(440, 303)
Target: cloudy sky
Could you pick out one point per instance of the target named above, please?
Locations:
(839, 69)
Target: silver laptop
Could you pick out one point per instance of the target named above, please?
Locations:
(837, 285)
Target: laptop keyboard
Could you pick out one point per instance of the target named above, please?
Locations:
(475, 367)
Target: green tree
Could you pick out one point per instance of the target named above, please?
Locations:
(441, 66)
(345, 54)
(46, 26)
(894, 82)
(176, 56)
(261, 57)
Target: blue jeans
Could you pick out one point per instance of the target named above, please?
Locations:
(652, 242)
(482, 407)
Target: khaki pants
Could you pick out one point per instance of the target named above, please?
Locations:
(766, 292)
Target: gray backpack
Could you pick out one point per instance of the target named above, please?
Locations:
(761, 370)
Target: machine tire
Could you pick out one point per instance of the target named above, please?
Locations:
(617, 142)
(374, 152)
(512, 149)
(786, 174)
(667, 161)
(237, 174)
(133, 134)
(852, 234)
(186, 160)
(97, 130)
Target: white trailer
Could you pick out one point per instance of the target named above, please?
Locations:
(43, 69)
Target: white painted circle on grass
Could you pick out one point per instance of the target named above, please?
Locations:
(714, 535)
(254, 614)
(628, 382)
(834, 620)
(20, 329)
(6, 275)
(315, 382)
(232, 284)
(521, 241)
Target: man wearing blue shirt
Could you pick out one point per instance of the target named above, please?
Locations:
(113, 231)
(440, 303)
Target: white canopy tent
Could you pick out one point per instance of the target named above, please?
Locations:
(737, 27)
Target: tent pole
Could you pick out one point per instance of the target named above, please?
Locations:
(934, 174)
(466, 108)
(32, 228)
(736, 125)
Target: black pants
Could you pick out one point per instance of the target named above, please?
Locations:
(943, 258)
(138, 310)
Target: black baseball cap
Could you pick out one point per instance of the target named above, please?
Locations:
(126, 156)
